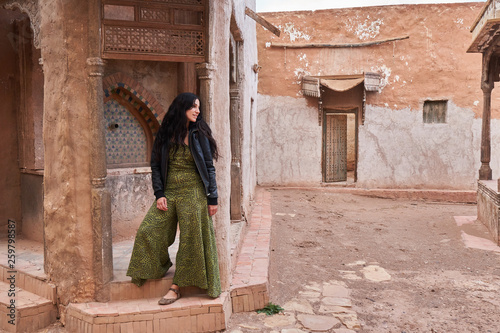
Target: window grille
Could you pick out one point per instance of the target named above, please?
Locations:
(161, 30)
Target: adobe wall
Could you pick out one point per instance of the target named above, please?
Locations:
(395, 148)
(10, 180)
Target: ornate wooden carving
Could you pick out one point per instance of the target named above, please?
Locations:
(162, 30)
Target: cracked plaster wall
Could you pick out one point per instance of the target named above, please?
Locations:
(395, 148)
(288, 142)
(417, 155)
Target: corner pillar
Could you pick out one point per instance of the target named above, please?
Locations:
(206, 75)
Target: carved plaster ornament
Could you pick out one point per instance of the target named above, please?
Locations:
(32, 9)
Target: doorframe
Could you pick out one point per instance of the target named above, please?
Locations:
(339, 111)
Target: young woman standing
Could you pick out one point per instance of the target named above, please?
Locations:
(183, 176)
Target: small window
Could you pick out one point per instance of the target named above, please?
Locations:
(435, 112)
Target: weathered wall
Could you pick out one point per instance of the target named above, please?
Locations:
(428, 66)
(131, 197)
(415, 154)
(10, 181)
(288, 142)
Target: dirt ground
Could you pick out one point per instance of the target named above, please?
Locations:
(433, 282)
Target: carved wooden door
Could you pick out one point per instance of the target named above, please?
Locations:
(336, 148)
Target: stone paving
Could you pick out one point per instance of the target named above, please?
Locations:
(325, 307)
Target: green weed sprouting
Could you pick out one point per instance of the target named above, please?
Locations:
(271, 309)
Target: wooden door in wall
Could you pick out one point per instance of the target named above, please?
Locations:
(335, 148)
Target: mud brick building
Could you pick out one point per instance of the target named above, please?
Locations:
(373, 97)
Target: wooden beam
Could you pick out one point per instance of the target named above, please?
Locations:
(345, 45)
(262, 21)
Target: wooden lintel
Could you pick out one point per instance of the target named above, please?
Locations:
(343, 45)
(262, 21)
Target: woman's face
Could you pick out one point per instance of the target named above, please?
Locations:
(193, 112)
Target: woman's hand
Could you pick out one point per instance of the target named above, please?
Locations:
(212, 209)
(161, 204)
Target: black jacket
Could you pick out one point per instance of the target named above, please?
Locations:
(202, 155)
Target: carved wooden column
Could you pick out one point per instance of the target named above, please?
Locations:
(205, 73)
(234, 118)
(101, 199)
(486, 86)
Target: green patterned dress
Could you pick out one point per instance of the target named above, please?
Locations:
(196, 261)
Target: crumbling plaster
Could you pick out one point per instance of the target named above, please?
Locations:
(131, 196)
(395, 148)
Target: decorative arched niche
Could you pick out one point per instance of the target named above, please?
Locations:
(132, 120)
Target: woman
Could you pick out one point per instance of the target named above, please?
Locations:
(184, 185)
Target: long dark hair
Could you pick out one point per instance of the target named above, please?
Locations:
(173, 126)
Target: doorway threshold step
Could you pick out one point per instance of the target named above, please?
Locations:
(194, 313)
(28, 311)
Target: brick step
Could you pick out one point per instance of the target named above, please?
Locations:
(31, 313)
(28, 277)
(193, 313)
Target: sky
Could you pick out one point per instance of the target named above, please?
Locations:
(292, 5)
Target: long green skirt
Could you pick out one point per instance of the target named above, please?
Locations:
(196, 261)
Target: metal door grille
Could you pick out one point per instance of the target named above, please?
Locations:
(336, 148)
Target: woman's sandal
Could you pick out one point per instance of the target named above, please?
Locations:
(167, 301)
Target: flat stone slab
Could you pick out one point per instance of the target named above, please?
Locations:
(376, 273)
(318, 323)
(300, 305)
(350, 320)
(310, 294)
(350, 275)
(343, 330)
(292, 330)
(334, 309)
(279, 320)
(336, 291)
(339, 301)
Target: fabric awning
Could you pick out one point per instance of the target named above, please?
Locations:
(311, 84)
(341, 84)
